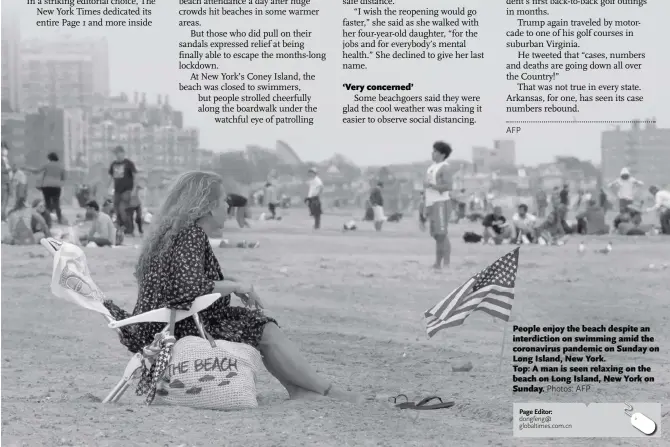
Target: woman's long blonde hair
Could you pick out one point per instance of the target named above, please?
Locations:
(192, 196)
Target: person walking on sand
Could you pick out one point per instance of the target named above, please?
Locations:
(313, 199)
(122, 173)
(377, 204)
(52, 178)
(271, 197)
(134, 210)
(437, 186)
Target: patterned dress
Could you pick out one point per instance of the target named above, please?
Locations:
(186, 271)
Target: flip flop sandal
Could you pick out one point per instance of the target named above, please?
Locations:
(402, 405)
(422, 404)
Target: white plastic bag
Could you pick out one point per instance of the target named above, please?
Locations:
(71, 279)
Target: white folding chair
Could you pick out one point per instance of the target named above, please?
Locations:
(81, 293)
(163, 315)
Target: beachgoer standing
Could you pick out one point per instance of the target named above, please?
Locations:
(564, 196)
(134, 211)
(377, 204)
(122, 172)
(271, 197)
(52, 178)
(625, 187)
(6, 179)
(313, 199)
(541, 202)
(437, 186)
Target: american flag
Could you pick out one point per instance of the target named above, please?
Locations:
(490, 291)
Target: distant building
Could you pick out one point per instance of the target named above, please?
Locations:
(14, 131)
(63, 131)
(644, 150)
(257, 154)
(339, 169)
(503, 154)
(206, 159)
(11, 63)
(66, 73)
(163, 148)
(151, 134)
(472, 182)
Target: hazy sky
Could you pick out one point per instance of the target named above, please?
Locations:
(145, 60)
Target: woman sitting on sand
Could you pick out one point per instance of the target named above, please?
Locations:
(177, 265)
(26, 225)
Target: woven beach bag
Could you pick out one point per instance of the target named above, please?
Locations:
(219, 378)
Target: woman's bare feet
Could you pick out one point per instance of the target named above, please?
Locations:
(346, 396)
(297, 393)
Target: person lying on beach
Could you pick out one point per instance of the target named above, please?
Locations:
(177, 265)
(226, 243)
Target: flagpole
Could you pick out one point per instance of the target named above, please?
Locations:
(502, 348)
(502, 345)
